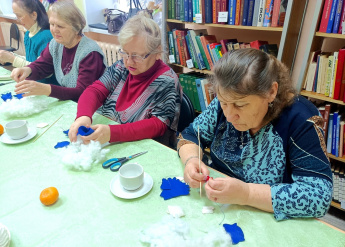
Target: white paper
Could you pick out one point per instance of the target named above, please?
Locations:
(171, 59)
(198, 18)
(223, 16)
(190, 64)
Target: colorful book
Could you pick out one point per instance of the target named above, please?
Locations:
(205, 92)
(325, 15)
(208, 11)
(268, 13)
(250, 12)
(256, 13)
(203, 52)
(329, 75)
(178, 61)
(339, 74)
(261, 13)
(223, 42)
(330, 133)
(337, 139)
(223, 7)
(326, 118)
(208, 39)
(244, 12)
(275, 13)
(334, 71)
(337, 18)
(257, 43)
(191, 50)
(194, 33)
(238, 12)
(341, 139)
(200, 94)
(232, 12)
(340, 29)
(332, 16)
(334, 132)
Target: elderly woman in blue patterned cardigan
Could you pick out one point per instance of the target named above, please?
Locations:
(265, 137)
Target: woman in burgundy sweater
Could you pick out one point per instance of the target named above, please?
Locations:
(76, 60)
(139, 91)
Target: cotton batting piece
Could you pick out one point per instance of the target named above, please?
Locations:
(207, 209)
(175, 211)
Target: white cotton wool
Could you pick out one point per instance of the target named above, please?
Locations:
(79, 156)
(24, 107)
(175, 232)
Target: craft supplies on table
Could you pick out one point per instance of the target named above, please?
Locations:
(116, 163)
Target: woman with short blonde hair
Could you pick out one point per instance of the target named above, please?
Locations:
(139, 91)
(76, 60)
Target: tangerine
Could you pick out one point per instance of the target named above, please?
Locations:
(49, 196)
(1, 129)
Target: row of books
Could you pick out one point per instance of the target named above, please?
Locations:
(333, 129)
(333, 16)
(196, 49)
(326, 74)
(338, 183)
(259, 13)
(198, 89)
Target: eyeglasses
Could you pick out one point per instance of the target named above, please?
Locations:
(135, 58)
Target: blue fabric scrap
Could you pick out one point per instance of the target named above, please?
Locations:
(235, 232)
(83, 131)
(61, 144)
(172, 187)
(6, 96)
(19, 96)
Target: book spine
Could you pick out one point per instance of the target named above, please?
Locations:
(184, 43)
(340, 29)
(182, 10)
(198, 53)
(326, 118)
(204, 92)
(337, 141)
(238, 10)
(325, 15)
(211, 53)
(331, 16)
(329, 75)
(214, 14)
(337, 16)
(223, 7)
(178, 61)
(316, 74)
(186, 10)
(208, 56)
(261, 13)
(232, 12)
(203, 52)
(169, 9)
(202, 10)
(275, 13)
(177, 9)
(334, 132)
(341, 139)
(195, 94)
(190, 48)
(268, 14)
(334, 69)
(218, 4)
(342, 86)
(173, 9)
(256, 13)
(180, 48)
(200, 94)
(194, 9)
(245, 12)
(330, 133)
(208, 11)
(250, 12)
(339, 75)
(171, 45)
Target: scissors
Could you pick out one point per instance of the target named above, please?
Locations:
(116, 163)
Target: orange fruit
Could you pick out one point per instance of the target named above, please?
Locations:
(1, 129)
(49, 196)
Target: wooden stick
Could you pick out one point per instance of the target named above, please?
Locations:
(199, 156)
(47, 128)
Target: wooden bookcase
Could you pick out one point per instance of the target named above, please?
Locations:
(314, 41)
(286, 37)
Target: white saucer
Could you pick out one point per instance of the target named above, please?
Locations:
(117, 189)
(6, 139)
(5, 77)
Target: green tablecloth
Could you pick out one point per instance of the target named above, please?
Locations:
(88, 214)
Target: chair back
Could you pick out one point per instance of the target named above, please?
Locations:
(14, 35)
(187, 113)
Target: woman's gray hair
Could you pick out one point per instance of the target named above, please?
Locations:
(69, 13)
(142, 25)
(247, 72)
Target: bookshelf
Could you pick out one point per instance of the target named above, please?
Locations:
(326, 42)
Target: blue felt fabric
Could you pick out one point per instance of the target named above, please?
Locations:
(18, 96)
(83, 131)
(61, 144)
(235, 232)
(172, 187)
(6, 96)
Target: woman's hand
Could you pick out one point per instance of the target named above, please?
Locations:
(192, 174)
(101, 134)
(227, 190)
(73, 130)
(6, 57)
(29, 87)
(20, 74)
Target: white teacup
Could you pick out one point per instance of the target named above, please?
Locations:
(17, 129)
(131, 176)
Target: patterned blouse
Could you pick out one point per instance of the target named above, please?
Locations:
(289, 154)
(162, 97)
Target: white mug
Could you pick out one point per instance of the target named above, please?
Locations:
(17, 129)
(131, 176)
